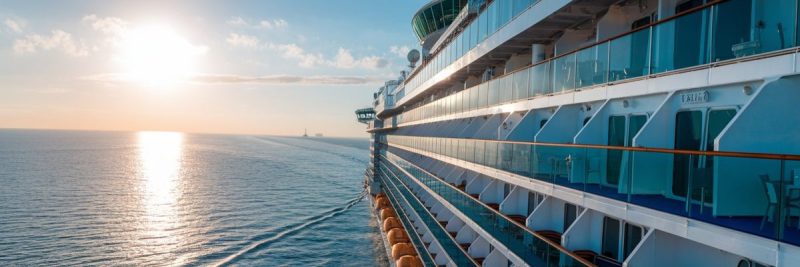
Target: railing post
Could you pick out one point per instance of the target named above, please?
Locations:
(780, 221)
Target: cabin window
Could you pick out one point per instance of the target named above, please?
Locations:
(633, 235)
(586, 120)
(610, 246)
(570, 214)
(621, 130)
(616, 137)
(542, 123)
(533, 201)
(506, 190)
(696, 130)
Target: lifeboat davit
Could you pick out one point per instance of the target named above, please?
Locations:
(402, 249)
(391, 223)
(408, 261)
(395, 236)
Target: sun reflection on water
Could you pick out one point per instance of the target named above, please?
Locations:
(160, 157)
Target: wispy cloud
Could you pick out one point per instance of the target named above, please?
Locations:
(286, 79)
(295, 52)
(210, 78)
(400, 51)
(261, 24)
(243, 40)
(57, 40)
(345, 60)
(106, 25)
(14, 25)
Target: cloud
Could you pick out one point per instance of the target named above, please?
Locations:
(237, 21)
(295, 52)
(262, 24)
(13, 25)
(286, 79)
(345, 60)
(57, 40)
(210, 79)
(243, 40)
(106, 25)
(400, 51)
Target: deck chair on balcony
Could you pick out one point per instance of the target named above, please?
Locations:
(772, 201)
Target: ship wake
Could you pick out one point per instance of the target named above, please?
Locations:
(291, 230)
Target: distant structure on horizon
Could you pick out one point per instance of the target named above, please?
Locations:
(318, 135)
(305, 132)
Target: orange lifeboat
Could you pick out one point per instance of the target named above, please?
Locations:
(402, 249)
(386, 213)
(409, 261)
(395, 236)
(391, 223)
(382, 203)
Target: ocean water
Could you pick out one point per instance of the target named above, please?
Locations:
(169, 199)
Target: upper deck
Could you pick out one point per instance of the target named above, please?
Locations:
(594, 43)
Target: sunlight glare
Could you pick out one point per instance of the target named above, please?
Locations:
(157, 56)
(160, 161)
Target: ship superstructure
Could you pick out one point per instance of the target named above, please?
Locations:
(593, 133)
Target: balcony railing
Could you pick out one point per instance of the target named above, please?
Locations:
(750, 192)
(718, 31)
(492, 19)
(453, 251)
(522, 241)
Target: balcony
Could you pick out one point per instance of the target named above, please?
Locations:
(718, 33)
(754, 193)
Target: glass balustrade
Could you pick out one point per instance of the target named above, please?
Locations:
(521, 241)
(448, 244)
(723, 31)
(496, 15)
(753, 193)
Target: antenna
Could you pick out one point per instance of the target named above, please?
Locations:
(413, 57)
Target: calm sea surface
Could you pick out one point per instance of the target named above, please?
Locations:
(164, 199)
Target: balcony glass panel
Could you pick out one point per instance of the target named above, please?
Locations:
(505, 86)
(564, 73)
(629, 56)
(540, 80)
(592, 65)
(521, 84)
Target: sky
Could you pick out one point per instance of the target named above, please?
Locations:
(238, 67)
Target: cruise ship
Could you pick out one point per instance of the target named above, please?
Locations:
(592, 133)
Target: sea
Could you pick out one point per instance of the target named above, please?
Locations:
(82, 198)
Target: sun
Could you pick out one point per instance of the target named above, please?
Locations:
(157, 55)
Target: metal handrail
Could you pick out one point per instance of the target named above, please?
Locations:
(735, 154)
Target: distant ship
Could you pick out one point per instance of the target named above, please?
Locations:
(592, 133)
(318, 135)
